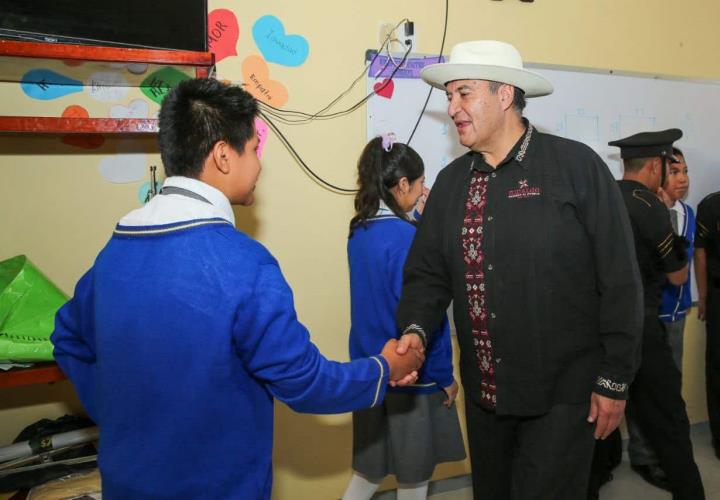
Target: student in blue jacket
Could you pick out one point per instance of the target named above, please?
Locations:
(416, 427)
(676, 300)
(184, 330)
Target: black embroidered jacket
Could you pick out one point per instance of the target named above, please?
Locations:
(562, 288)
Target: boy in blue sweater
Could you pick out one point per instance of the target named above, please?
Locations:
(184, 330)
(676, 300)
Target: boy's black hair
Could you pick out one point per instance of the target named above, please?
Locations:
(198, 113)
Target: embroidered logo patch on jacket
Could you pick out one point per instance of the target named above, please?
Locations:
(524, 190)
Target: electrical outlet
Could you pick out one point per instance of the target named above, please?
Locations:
(398, 39)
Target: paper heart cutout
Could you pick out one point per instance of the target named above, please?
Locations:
(107, 86)
(262, 131)
(138, 108)
(157, 84)
(276, 46)
(258, 83)
(385, 88)
(143, 195)
(45, 84)
(223, 32)
(84, 141)
(127, 165)
(137, 68)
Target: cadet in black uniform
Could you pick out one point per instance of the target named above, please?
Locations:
(655, 401)
(707, 275)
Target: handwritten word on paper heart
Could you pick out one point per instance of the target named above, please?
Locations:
(262, 131)
(107, 86)
(276, 46)
(223, 32)
(385, 88)
(84, 141)
(158, 84)
(258, 82)
(45, 84)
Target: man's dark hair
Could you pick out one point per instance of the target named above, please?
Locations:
(518, 97)
(634, 164)
(195, 115)
(678, 151)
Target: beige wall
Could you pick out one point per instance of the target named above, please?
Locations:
(55, 207)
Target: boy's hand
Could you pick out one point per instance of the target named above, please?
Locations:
(451, 391)
(403, 367)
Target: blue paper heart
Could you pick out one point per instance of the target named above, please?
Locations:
(145, 189)
(44, 84)
(276, 46)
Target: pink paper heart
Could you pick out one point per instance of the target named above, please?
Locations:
(262, 131)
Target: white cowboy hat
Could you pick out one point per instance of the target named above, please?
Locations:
(487, 60)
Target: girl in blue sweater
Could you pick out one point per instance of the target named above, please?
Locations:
(417, 426)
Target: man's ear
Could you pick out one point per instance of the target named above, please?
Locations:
(659, 164)
(507, 94)
(220, 152)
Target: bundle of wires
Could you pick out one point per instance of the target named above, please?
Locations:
(271, 114)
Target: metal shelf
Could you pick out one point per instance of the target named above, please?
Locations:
(81, 61)
(41, 373)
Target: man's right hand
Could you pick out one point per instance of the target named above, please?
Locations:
(701, 309)
(403, 366)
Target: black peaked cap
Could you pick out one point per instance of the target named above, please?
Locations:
(648, 144)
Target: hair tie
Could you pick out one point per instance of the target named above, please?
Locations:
(388, 139)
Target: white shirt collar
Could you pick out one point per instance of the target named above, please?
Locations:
(383, 209)
(172, 208)
(210, 193)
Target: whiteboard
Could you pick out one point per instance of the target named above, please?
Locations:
(593, 107)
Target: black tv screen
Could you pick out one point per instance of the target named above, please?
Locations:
(158, 24)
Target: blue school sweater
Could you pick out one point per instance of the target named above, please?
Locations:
(676, 300)
(376, 254)
(177, 340)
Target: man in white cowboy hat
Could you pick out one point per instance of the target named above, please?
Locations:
(527, 234)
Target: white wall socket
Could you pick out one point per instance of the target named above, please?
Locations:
(399, 41)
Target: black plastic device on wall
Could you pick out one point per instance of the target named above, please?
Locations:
(159, 24)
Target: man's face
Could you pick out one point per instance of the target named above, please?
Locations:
(475, 111)
(677, 183)
(246, 170)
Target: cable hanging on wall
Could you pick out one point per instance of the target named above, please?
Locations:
(284, 116)
(427, 99)
(293, 117)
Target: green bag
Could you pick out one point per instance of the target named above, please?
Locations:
(28, 303)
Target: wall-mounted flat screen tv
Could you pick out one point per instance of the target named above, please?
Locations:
(157, 24)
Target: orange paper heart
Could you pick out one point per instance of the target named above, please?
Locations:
(85, 141)
(258, 83)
